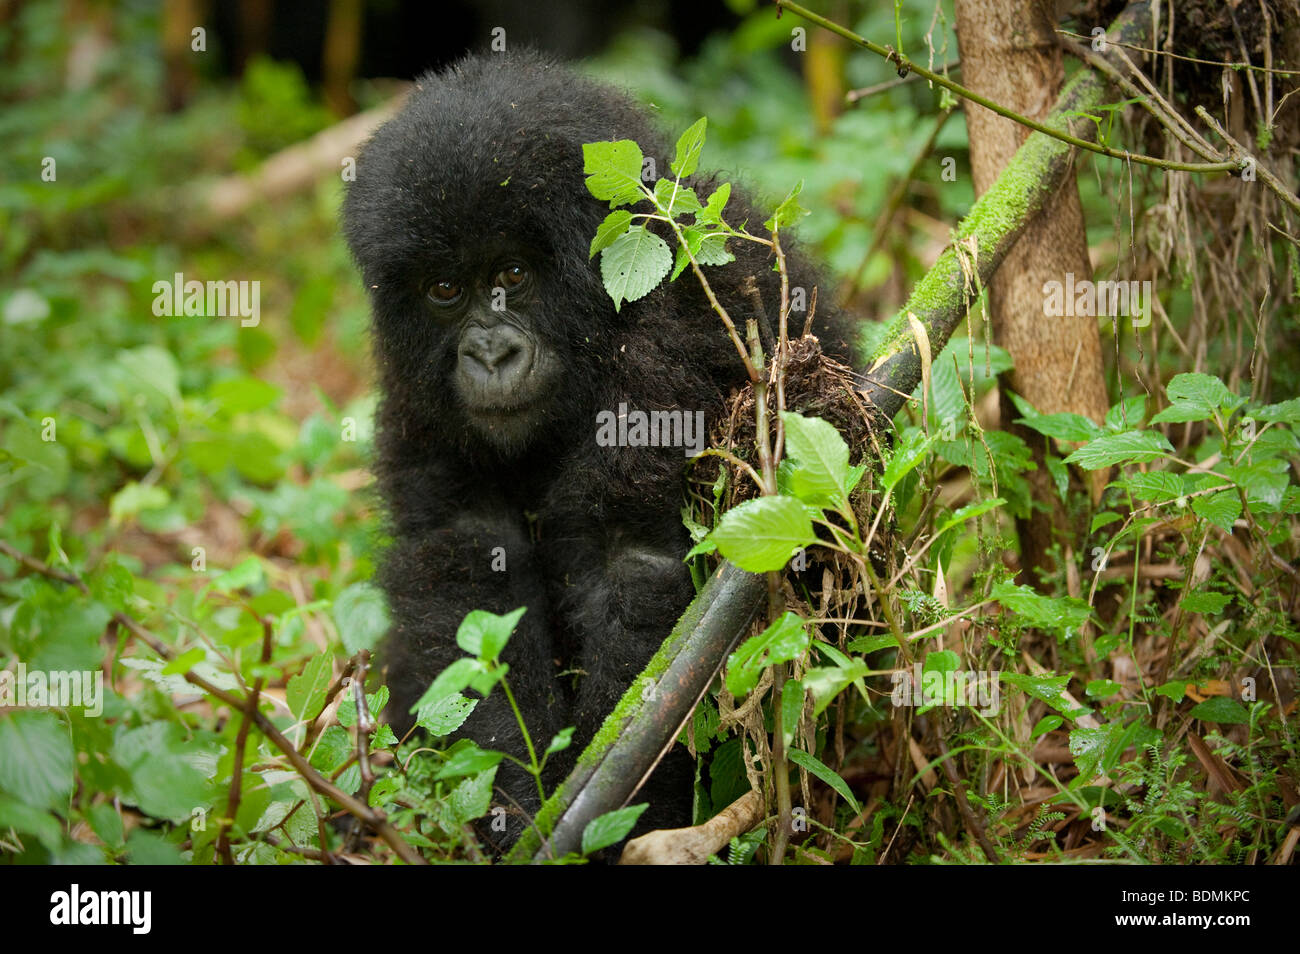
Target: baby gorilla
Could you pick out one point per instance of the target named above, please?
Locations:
(497, 348)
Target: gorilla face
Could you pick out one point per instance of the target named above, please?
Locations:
(505, 375)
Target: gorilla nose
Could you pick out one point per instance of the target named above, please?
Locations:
(499, 353)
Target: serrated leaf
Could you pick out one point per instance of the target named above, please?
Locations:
(1205, 601)
(613, 171)
(819, 470)
(788, 212)
(1221, 509)
(36, 759)
(444, 716)
(1159, 486)
(634, 264)
(783, 640)
(689, 146)
(1060, 613)
(615, 224)
(361, 616)
(762, 534)
(1131, 446)
(466, 758)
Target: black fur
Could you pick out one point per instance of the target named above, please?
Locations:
(484, 163)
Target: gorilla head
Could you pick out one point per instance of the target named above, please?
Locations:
(471, 224)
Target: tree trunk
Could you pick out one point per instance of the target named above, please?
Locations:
(1009, 53)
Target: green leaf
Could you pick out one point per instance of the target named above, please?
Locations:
(36, 759)
(485, 634)
(689, 147)
(610, 828)
(1097, 751)
(1046, 724)
(1221, 509)
(466, 758)
(246, 575)
(1064, 426)
(1286, 412)
(1060, 613)
(826, 774)
(970, 511)
(711, 214)
(185, 662)
(613, 171)
(445, 715)
(1160, 486)
(1205, 601)
(827, 682)
(1221, 709)
(615, 224)
(788, 212)
(783, 640)
(473, 797)
(675, 199)
(1127, 415)
(134, 499)
(634, 264)
(561, 741)
(762, 534)
(1049, 688)
(1195, 397)
(1132, 446)
(361, 616)
(819, 472)
(1174, 689)
(908, 453)
(450, 682)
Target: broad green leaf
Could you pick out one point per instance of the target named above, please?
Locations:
(466, 758)
(1060, 613)
(1205, 601)
(1221, 709)
(819, 472)
(450, 682)
(1064, 426)
(675, 199)
(908, 453)
(36, 759)
(783, 640)
(615, 224)
(610, 828)
(305, 693)
(485, 634)
(1049, 688)
(185, 661)
(1195, 397)
(1221, 509)
(613, 171)
(562, 740)
(444, 716)
(762, 534)
(970, 511)
(1131, 446)
(134, 499)
(634, 264)
(361, 616)
(1160, 486)
(472, 797)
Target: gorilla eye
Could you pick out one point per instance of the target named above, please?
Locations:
(444, 292)
(511, 275)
